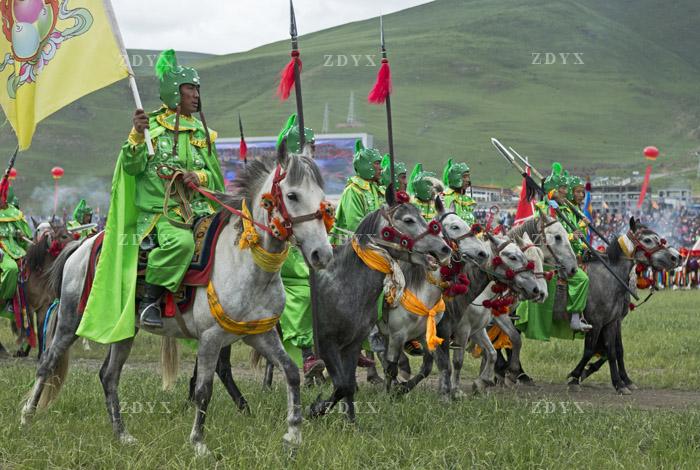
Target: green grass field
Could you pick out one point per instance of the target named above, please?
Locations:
(542, 427)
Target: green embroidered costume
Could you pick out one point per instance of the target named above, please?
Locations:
(453, 177)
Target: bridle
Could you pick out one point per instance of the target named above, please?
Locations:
(280, 223)
(639, 246)
(390, 234)
(546, 275)
(474, 230)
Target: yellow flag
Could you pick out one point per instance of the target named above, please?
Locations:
(54, 52)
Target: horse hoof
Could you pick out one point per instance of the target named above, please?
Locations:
(127, 439)
(26, 418)
(201, 450)
(292, 439)
(632, 386)
(459, 395)
(479, 386)
(375, 380)
(574, 385)
(244, 408)
(624, 391)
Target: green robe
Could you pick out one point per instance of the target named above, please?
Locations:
(427, 209)
(13, 247)
(359, 198)
(296, 321)
(464, 205)
(135, 208)
(536, 320)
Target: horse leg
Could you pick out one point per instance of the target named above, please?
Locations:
(269, 372)
(486, 377)
(270, 345)
(109, 377)
(3, 351)
(621, 359)
(588, 351)
(207, 357)
(609, 334)
(349, 385)
(425, 369)
(393, 352)
(331, 357)
(223, 370)
(193, 382)
(53, 365)
(442, 358)
(514, 368)
(593, 368)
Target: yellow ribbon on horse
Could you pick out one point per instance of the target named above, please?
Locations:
(268, 262)
(499, 339)
(413, 304)
(376, 261)
(253, 327)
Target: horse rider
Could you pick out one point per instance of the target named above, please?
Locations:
(422, 188)
(457, 179)
(14, 236)
(400, 178)
(150, 198)
(82, 215)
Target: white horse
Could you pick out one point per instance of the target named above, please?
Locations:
(399, 325)
(245, 291)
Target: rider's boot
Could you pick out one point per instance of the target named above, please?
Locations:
(579, 324)
(149, 307)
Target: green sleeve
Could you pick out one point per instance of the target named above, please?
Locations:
(23, 226)
(352, 209)
(134, 158)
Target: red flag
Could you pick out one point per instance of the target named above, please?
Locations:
(525, 208)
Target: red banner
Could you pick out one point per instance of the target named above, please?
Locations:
(645, 185)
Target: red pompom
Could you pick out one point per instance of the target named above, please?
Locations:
(487, 303)
(459, 289)
(382, 87)
(407, 242)
(510, 274)
(530, 265)
(548, 275)
(445, 271)
(498, 288)
(389, 234)
(463, 279)
(632, 306)
(476, 228)
(497, 261)
(402, 197)
(639, 268)
(434, 227)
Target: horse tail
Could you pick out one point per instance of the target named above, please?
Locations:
(169, 360)
(54, 275)
(54, 383)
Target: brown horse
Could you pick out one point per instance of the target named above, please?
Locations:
(43, 249)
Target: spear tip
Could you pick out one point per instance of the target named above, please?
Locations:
(292, 20)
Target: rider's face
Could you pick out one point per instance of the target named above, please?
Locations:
(579, 195)
(189, 99)
(377, 170)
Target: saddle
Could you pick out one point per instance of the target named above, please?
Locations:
(206, 231)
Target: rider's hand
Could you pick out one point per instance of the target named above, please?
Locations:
(578, 235)
(190, 178)
(140, 121)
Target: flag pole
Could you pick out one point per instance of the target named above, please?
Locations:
(125, 58)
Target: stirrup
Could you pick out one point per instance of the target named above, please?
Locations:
(152, 319)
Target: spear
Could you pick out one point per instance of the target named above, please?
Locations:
(243, 148)
(381, 93)
(291, 75)
(529, 181)
(571, 206)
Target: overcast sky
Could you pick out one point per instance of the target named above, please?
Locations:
(226, 26)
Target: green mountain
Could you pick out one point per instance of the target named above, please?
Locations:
(588, 83)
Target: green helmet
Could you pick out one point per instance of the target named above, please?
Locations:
(420, 183)
(291, 133)
(80, 210)
(364, 160)
(171, 75)
(452, 174)
(556, 179)
(573, 183)
(399, 169)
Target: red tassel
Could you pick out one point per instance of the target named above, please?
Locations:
(4, 189)
(243, 150)
(287, 77)
(169, 310)
(382, 87)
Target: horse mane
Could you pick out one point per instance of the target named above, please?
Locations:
(249, 180)
(54, 274)
(369, 225)
(36, 254)
(529, 226)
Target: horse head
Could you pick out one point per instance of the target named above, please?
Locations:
(557, 248)
(513, 268)
(650, 249)
(534, 253)
(462, 237)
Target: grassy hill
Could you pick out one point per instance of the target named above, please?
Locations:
(462, 70)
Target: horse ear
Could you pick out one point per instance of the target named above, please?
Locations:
(439, 206)
(526, 239)
(633, 224)
(453, 207)
(282, 154)
(34, 222)
(519, 241)
(389, 195)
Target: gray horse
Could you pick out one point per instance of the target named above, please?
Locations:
(345, 295)
(246, 293)
(608, 302)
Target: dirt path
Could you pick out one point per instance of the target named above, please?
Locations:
(542, 395)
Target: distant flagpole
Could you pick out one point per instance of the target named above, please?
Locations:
(132, 79)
